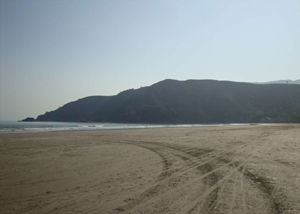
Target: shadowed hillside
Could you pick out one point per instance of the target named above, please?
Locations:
(80, 110)
(191, 101)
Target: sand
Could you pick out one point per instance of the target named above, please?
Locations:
(242, 169)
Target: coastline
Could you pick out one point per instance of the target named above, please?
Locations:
(37, 126)
(164, 170)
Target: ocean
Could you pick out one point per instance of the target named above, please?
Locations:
(21, 127)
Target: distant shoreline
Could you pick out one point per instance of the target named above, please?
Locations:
(37, 126)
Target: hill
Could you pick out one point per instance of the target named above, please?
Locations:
(282, 82)
(191, 101)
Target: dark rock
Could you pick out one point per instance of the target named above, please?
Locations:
(28, 119)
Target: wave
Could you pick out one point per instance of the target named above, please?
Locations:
(21, 127)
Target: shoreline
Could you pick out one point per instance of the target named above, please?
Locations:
(115, 126)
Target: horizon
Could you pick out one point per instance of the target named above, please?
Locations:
(55, 52)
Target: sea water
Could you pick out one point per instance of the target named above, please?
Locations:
(21, 127)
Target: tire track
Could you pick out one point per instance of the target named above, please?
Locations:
(209, 173)
(192, 163)
(214, 187)
(179, 164)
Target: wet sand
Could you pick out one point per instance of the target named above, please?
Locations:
(243, 169)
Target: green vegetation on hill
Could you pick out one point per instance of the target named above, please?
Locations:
(191, 101)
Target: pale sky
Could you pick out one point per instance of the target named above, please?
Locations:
(56, 51)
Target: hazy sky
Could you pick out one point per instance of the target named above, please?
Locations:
(56, 51)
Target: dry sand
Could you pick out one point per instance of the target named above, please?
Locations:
(245, 169)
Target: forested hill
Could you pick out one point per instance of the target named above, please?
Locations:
(191, 101)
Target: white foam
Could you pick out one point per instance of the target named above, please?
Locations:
(18, 127)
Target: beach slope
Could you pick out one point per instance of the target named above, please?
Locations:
(242, 169)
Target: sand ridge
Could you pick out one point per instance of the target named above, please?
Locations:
(243, 169)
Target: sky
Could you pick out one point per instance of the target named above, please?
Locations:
(56, 51)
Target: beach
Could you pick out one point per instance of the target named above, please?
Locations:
(235, 169)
